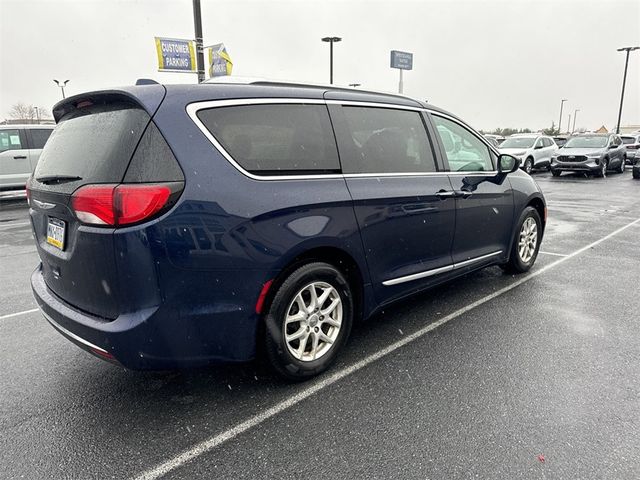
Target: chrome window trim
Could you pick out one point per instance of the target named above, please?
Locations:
(437, 271)
(72, 335)
(193, 108)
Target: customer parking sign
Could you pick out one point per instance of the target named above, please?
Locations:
(176, 55)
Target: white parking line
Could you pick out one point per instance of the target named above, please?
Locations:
(9, 225)
(2, 317)
(212, 442)
(554, 254)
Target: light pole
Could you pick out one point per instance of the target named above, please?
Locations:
(560, 121)
(624, 81)
(197, 26)
(61, 85)
(569, 123)
(331, 41)
(355, 85)
(575, 115)
(37, 115)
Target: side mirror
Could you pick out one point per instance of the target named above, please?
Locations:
(537, 147)
(507, 164)
(612, 146)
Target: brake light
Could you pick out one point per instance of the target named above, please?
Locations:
(117, 205)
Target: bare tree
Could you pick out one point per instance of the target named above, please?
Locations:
(28, 113)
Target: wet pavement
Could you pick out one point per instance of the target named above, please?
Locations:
(534, 376)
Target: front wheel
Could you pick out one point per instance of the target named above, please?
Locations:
(602, 171)
(308, 321)
(527, 242)
(528, 165)
(623, 165)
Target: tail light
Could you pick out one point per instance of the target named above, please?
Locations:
(118, 205)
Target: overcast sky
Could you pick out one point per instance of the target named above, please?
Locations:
(494, 63)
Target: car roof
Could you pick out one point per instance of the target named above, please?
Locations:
(27, 126)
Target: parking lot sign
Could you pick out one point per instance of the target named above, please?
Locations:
(219, 61)
(176, 55)
(401, 60)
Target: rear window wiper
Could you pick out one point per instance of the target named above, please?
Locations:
(57, 178)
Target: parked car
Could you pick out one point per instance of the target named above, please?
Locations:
(632, 144)
(212, 218)
(20, 147)
(491, 137)
(560, 141)
(534, 151)
(590, 153)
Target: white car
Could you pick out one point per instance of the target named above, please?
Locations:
(533, 150)
(20, 148)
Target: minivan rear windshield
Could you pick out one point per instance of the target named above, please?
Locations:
(93, 143)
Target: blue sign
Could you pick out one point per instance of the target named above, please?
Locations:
(176, 55)
(401, 60)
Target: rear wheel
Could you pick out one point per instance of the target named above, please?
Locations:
(309, 321)
(527, 242)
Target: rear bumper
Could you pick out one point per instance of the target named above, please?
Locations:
(153, 338)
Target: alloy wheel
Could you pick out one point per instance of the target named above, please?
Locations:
(313, 321)
(528, 239)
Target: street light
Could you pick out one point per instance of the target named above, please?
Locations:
(624, 81)
(575, 114)
(560, 121)
(61, 85)
(331, 41)
(355, 85)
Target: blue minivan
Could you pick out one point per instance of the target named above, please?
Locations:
(184, 225)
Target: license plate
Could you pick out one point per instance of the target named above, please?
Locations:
(55, 233)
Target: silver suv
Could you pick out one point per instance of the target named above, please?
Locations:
(533, 150)
(20, 147)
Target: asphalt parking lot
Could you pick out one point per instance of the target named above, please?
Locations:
(490, 376)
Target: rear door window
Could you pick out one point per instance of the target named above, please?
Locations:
(94, 143)
(10, 140)
(275, 139)
(385, 140)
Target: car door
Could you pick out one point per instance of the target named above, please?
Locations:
(484, 203)
(37, 137)
(538, 151)
(402, 201)
(15, 166)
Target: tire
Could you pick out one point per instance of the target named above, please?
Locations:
(623, 165)
(290, 358)
(636, 174)
(602, 172)
(556, 173)
(518, 262)
(528, 165)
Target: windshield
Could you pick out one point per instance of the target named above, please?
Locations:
(518, 142)
(628, 140)
(587, 142)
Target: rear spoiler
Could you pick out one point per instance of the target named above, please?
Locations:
(148, 97)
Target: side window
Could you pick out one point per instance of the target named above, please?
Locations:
(386, 140)
(275, 139)
(465, 151)
(547, 142)
(10, 140)
(39, 136)
(539, 143)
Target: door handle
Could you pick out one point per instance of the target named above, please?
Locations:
(20, 157)
(444, 194)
